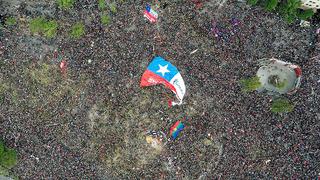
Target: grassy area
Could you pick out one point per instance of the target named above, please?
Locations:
(77, 30)
(8, 157)
(65, 4)
(105, 19)
(40, 25)
(43, 75)
(282, 84)
(10, 21)
(8, 89)
(46, 80)
(101, 4)
(281, 105)
(250, 84)
(113, 7)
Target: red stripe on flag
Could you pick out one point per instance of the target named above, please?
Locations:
(149, 79)
(149, 16)
(174, 126)
(298, 71)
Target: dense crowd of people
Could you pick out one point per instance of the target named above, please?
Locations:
(212, 50)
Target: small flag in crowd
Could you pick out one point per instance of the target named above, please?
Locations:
(176, 129)
(198, 3)
(150, 14)
(63, 67)
(298, 71)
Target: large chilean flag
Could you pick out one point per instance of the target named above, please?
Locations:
(161, 71)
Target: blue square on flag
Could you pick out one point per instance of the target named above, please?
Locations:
(163, 72)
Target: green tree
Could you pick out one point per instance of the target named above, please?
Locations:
(113, 7)
(4, 171)
(10, 21)
(43, 26)
(305, 14)
(50, 29)
(281, 105)
(271, 5)
(250, 84)
(36, 24)
(77, 30)
(105, 19)
(8, 158)
(252, 2)
(101, 4)
(289, 9)
(65, 4)
(2, 148)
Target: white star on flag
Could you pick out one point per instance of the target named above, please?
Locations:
(163, 69)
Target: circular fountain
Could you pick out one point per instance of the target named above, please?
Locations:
(278, 77)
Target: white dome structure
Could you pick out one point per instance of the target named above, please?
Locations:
(310, 4)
